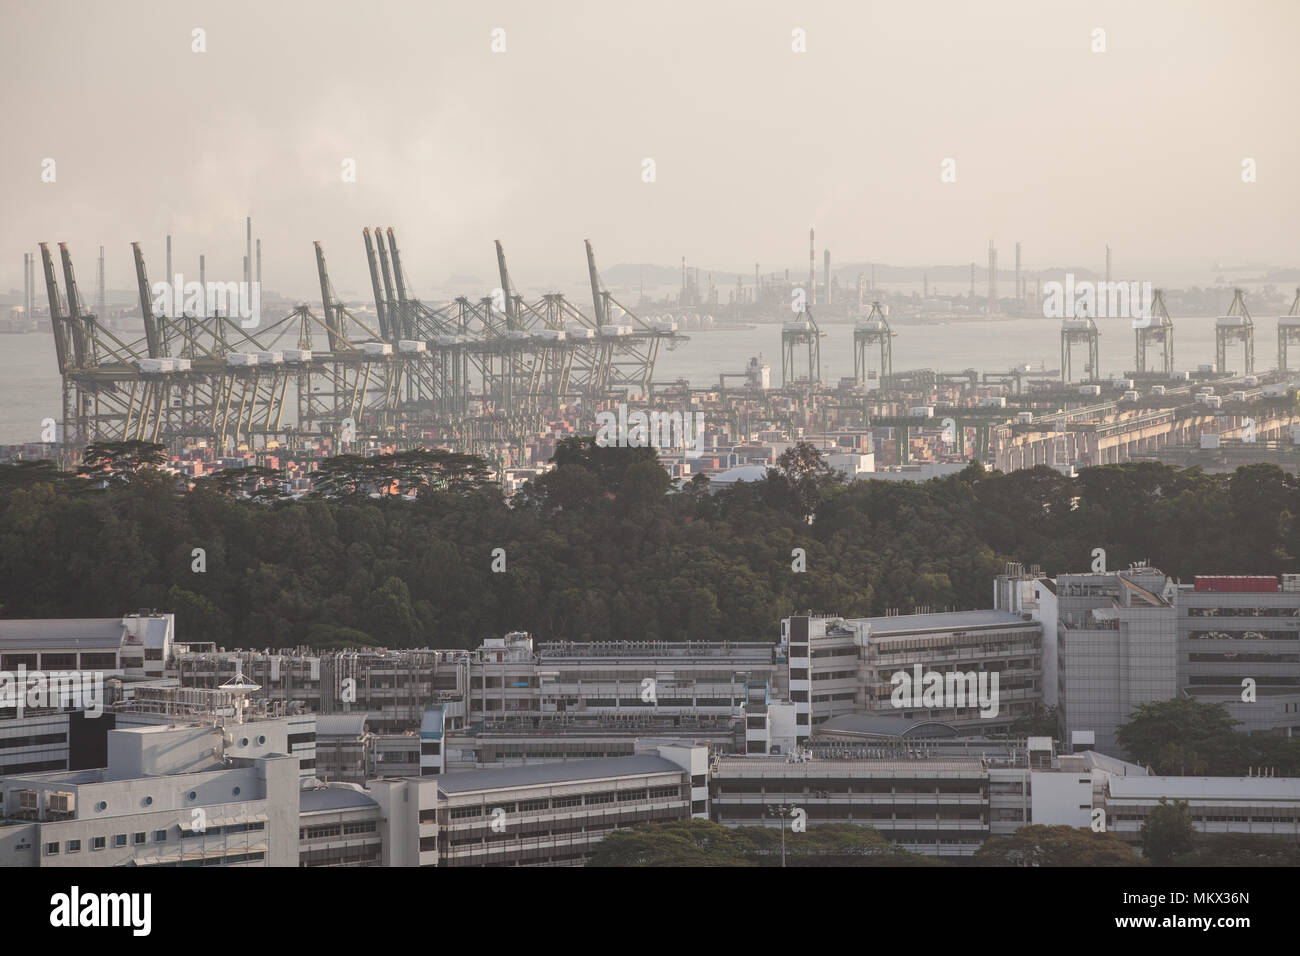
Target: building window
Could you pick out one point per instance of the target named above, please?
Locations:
(74, 846)
(140, 837)
(52, 849)
(99, 843)
(119, 839)
(159, 836)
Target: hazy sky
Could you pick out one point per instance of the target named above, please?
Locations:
(542, 146)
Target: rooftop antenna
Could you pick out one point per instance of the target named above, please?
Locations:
(240, 687)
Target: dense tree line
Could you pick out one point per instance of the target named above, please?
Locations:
(399, 550)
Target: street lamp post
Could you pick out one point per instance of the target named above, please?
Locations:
(782, 810)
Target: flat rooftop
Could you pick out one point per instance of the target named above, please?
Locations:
(81, 633)
(567, 771)
(1236, 789)
(830, 766)
(945, 621)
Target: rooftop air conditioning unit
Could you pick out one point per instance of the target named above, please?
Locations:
(63, 802)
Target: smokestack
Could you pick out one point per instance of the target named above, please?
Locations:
(1108, 264)
(27, 285)
(972, 280)
(246, 268)
(259, 263)
(827, 270)
(993, 279)
(203, 283)
(873, 279)
(1019, 289)
(925, 285)
(812, 275)
(248, 257)
(169, 260)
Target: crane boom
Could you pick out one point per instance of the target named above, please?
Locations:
(331, 314)
(56, 311)
(597, 299)
(155, 343)
(380, 309)
(399, 278)
(505, 286)
(74, 307)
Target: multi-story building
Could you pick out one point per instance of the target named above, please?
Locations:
(1116, 648)
(508, 677)
(553, 814)
(340, 825)
(944, 804)
(161, 703)
(1262, 806)
(135, 646)
(79, 667)
(1118, 639)
(165, 799)
(1239, 645)
(393, 688)
(841, 666)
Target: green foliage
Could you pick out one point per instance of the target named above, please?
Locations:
(115, 463)
(1168, 831)
(676, 843)
(1166, 734)
(1241, 850)
(598, 548)
(1040, 845)
(703, 843)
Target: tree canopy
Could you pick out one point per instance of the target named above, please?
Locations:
(601, 547)
(1041, 845)
(704, 843)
